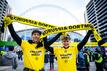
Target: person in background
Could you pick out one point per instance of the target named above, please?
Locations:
(46, 60)
(101, 42)
(80, 61)
(51, 62)
(10, 58)
(87, 59)
(20, 53)
(98, 60)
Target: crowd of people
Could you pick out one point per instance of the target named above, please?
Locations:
(95, 55)
(85, 56)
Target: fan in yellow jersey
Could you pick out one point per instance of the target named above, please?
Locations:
(66, 56)
(33, 50)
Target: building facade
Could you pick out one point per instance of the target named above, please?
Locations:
(97, 15)
(4, 9)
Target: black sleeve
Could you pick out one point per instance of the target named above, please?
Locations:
(14, 35)
(84, 41)
(48, 43)
(46, 46)
(101, 42)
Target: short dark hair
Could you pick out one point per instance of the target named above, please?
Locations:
(11, 48)
(65, 37)
(36, 31)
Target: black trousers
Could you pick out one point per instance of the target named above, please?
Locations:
(99, 66)
(51, 65)
(87, 67)
(27, 69)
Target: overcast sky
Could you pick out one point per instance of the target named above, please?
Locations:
(57, 12)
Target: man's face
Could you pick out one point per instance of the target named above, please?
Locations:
(66, 43)
(36, 37)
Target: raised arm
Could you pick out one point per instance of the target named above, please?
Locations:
(101, 42)
(48, 43)
(14, 35)
(47, 47)
(84, 41)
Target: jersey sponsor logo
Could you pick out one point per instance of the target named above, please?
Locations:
(65, 56)
(36, 52)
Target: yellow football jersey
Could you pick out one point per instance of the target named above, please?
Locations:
(66, 58)
(33, 57)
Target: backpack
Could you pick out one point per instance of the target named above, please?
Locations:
(81, 60)
(6, 61)
(9, 62)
